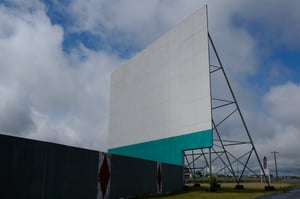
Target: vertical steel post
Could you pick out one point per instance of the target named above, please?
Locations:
(210, 166)
(274, 152)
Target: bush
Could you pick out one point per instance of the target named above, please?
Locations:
(213, 184)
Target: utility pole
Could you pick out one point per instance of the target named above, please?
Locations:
(274, 152)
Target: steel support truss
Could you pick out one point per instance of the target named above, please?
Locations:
(233, 153)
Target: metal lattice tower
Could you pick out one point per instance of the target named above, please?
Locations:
(233, 152)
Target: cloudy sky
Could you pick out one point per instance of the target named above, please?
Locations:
(57, 55)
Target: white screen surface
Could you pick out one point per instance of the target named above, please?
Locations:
(164, 91)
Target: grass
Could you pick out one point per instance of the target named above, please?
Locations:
(252, 190)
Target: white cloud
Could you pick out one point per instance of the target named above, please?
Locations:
(278, 20)
(282, 103)
(138, 23)
(278, 127)
(14, 112)
(24, 6)
(134, 21)
(235, 45)
(47, 94)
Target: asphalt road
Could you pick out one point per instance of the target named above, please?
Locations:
(292, 194)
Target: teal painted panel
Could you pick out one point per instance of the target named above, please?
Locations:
(168, 150)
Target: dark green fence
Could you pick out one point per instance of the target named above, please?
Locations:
(32, 169)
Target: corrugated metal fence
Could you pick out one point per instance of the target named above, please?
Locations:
(32, 169)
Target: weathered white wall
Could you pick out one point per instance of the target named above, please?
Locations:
(163, 91)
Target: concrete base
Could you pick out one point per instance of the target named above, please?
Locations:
(239, 186)
(185, 187)
(210, 189)
(269, 188)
